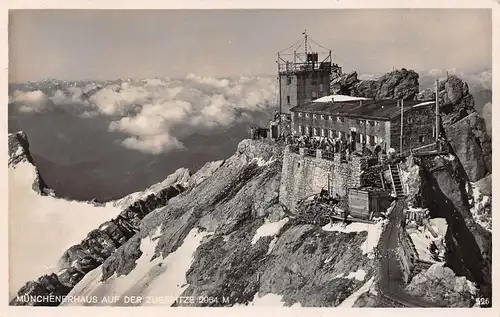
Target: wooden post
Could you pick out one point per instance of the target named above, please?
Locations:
(437, 111)
(279, 84)
(401, 132)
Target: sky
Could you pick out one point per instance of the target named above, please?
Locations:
(110, 44)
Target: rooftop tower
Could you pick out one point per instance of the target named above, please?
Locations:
(304, 73)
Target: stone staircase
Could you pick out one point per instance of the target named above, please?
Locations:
(396, 181)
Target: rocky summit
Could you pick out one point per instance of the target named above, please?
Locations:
(221, 234)
(398, 84)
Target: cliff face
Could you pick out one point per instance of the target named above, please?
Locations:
(464, 129)
(398, 84)
(19, 151)
(447, 185)
(468, 245)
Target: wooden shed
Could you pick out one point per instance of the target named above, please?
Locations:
(365, 203)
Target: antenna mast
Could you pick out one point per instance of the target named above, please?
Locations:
(279, 85)
(305, 42)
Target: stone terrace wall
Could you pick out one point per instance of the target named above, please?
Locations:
(346, 174)
(303, 175)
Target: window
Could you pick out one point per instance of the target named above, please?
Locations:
(371, 122)
(323, 132)
(299, 114)
(301, 130)
(289, 80)
(342, 119)
(316, 132)
(375, 139)
(333, 134)
(288, 99)
(377, 123)
(360, 138)
(314, 94)
(321, 87)
(314, 116)
(421, 139)
(331, 118)
(307, 130)
(433, 131)
(371, 139)
(342, 135)
(314, 82)
(307, 115)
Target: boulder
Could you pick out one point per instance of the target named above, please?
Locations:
(455, 101)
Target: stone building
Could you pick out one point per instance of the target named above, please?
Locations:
(366, 122)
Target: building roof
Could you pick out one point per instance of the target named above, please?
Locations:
(368, 109)
(339, 98)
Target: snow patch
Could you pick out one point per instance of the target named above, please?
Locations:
(45, 226)
(338, 98)
(439, 225)
(449, 157)
(374, 232)
(349, 301)
(164, 279)
(261, 162)
(358, 275)
(19, 151)
(479, 203)
(423, 239)
(328, 260)
(269, 229)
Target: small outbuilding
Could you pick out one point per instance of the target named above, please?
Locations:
(368, 202)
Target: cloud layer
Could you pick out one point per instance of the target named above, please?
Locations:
(154, 115)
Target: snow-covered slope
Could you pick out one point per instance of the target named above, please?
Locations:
(77, 236)
(42, 227)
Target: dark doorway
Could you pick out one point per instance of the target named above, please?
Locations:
(274, 131)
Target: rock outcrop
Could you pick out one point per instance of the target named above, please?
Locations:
(345, 83)
(19, 151)
(398, 84)
(445, 185)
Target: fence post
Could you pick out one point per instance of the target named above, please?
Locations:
(318, 154)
